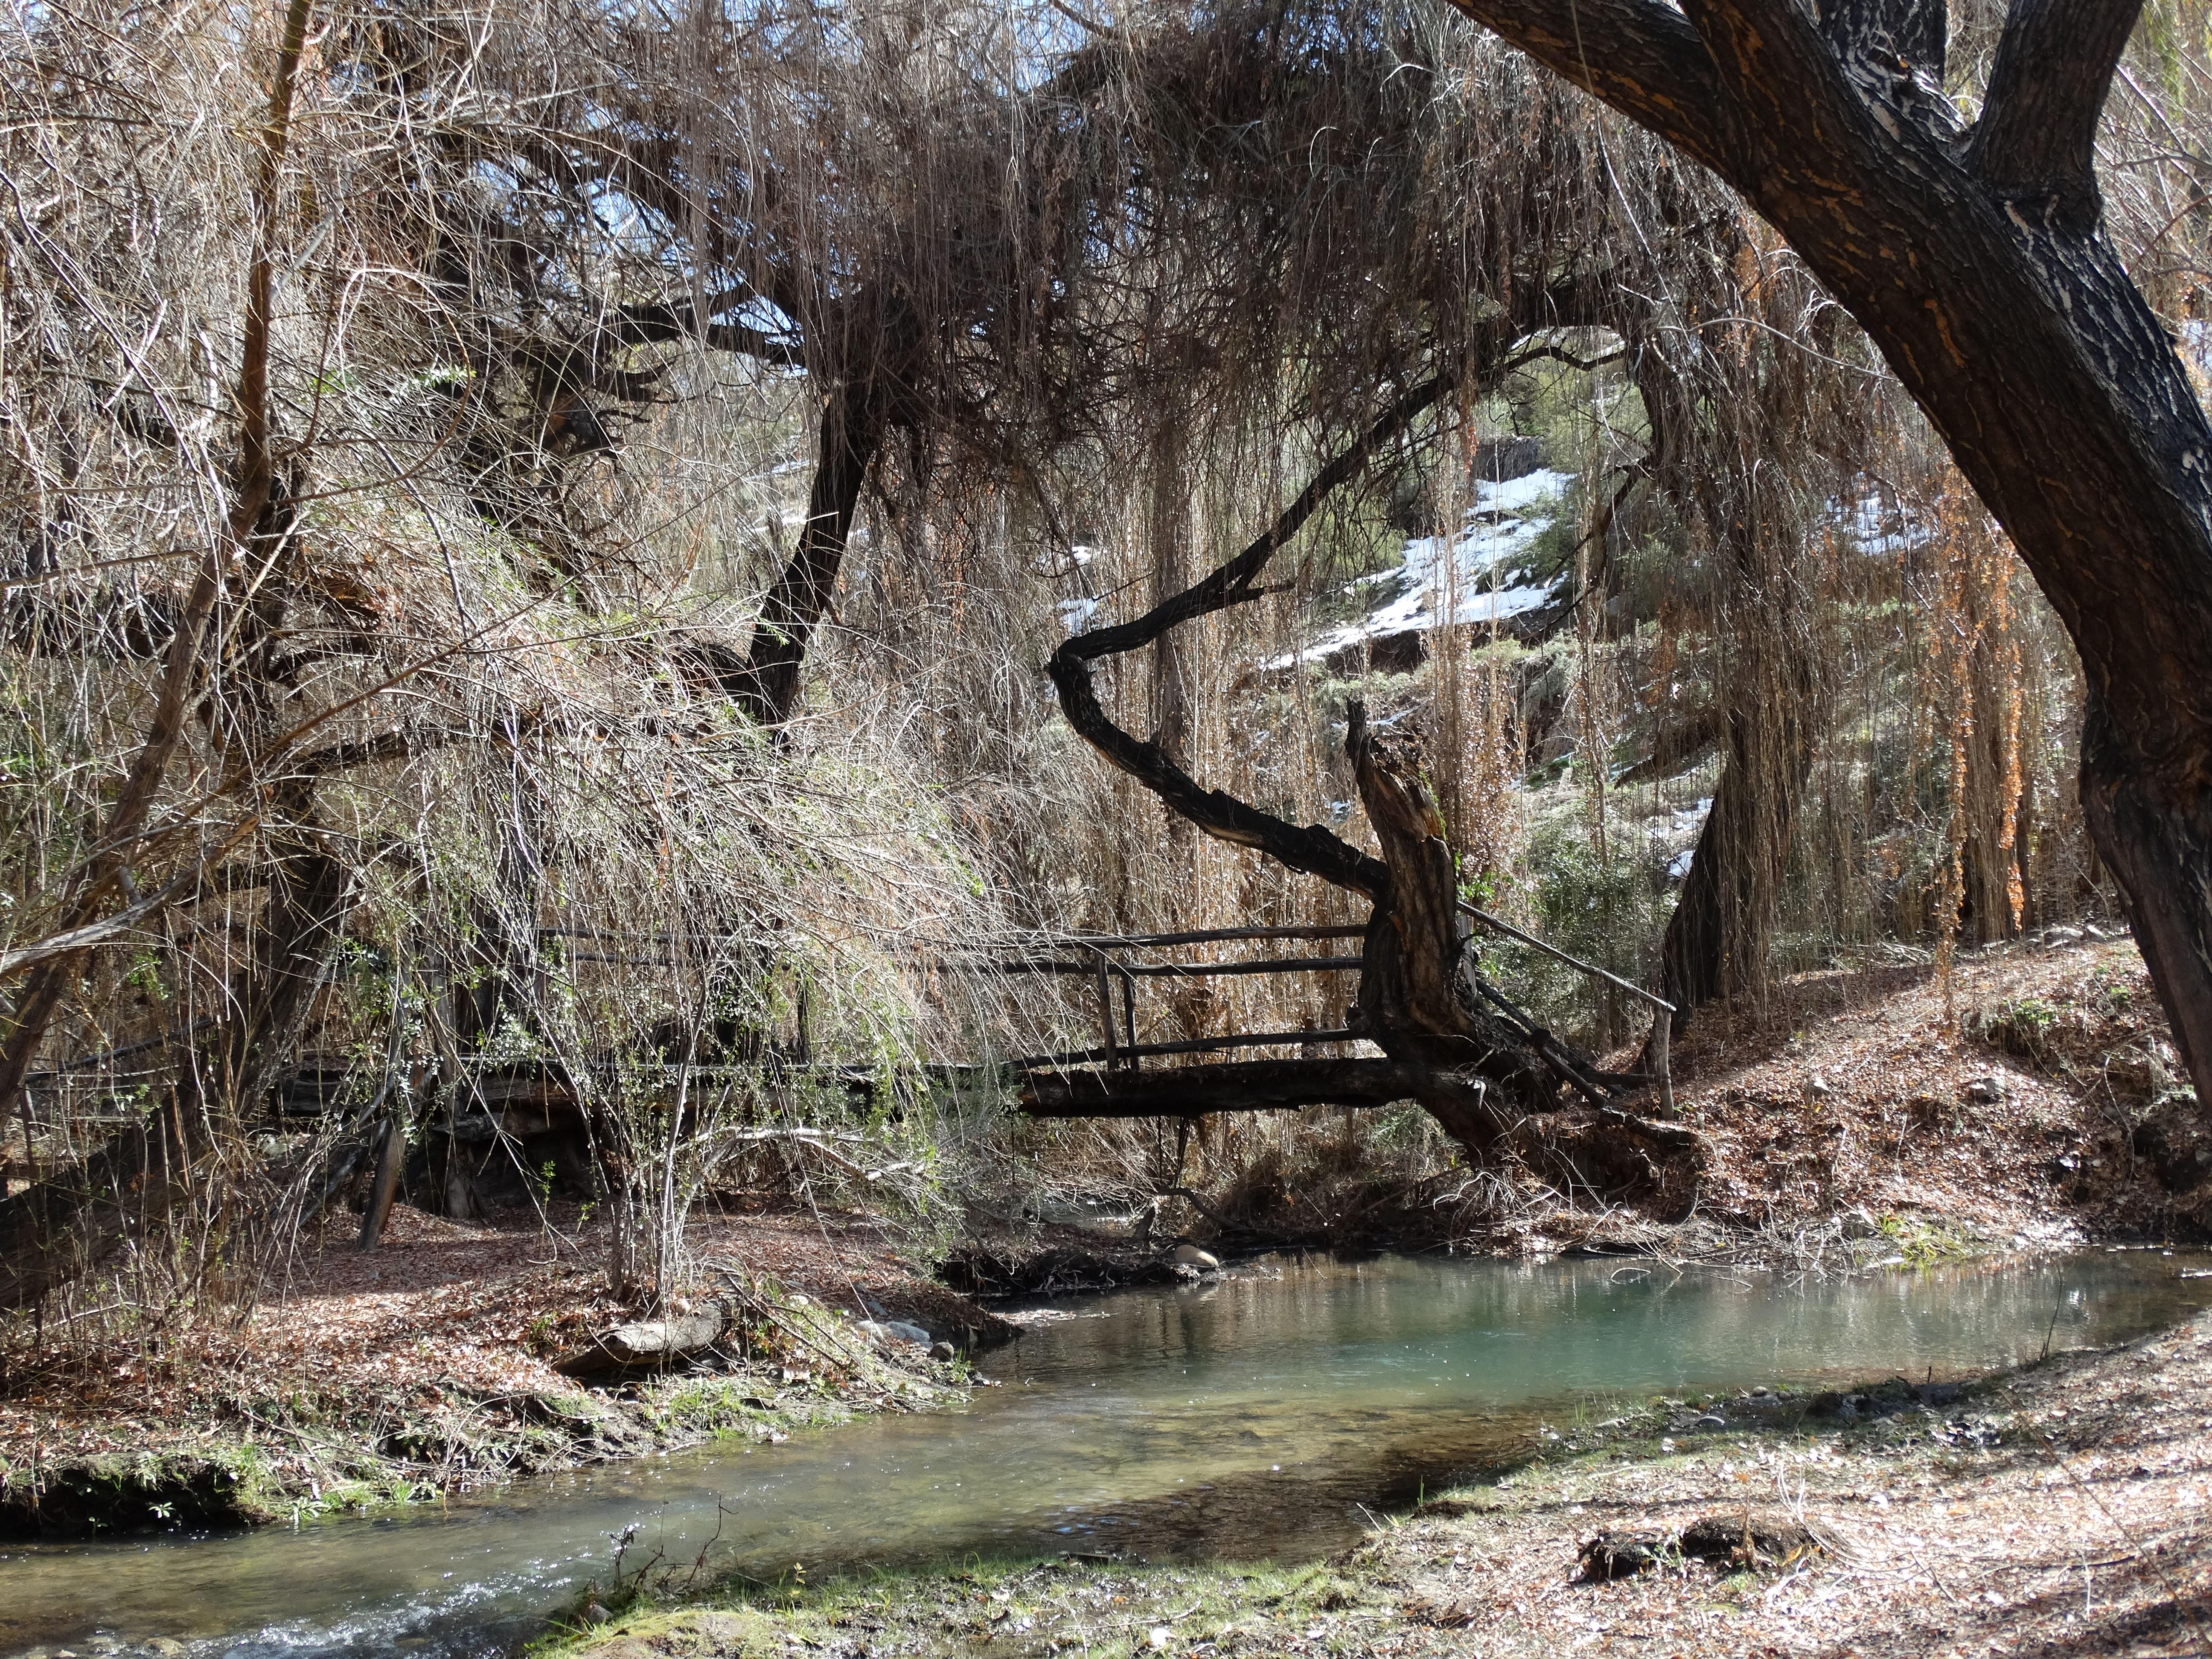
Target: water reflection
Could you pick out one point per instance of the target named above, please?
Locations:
(1248, 1418)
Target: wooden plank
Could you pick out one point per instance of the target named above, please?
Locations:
(1106, 1011)
(1203, 936)
(1191, 970)
(1663, 1029)
(1250, 1086)
(1197, 1046)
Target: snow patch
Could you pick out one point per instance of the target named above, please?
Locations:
(1453, 580)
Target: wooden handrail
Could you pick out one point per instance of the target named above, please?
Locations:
(1511, 932)
(1196, 1046)
(1663, 1022)
(1188, 969)
(1203, 936)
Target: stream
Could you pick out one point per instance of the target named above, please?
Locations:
(1248, 1418)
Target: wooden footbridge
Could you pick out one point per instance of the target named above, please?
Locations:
(475, 1117)
(1111, 1079)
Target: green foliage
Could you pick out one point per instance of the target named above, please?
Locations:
(1604, 910)
(1923, 1243)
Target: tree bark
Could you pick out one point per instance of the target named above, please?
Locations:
(384, 1189)
(853, 427)
(1716, 939)
(1414, 1000)
(1977, 262)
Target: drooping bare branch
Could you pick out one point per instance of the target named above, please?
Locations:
(256, 489)
(1312, 849)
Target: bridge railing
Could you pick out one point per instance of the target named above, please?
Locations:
(1098, 956)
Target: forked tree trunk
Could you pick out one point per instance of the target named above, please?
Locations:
(1491, 1080)
(1414, 1000)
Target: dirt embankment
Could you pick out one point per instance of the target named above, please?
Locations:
(2035, 1099)
(432, 1365)
(2064, 1509)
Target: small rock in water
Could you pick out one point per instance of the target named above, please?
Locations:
(944, 1351)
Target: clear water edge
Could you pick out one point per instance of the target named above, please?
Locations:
(1251, 1417)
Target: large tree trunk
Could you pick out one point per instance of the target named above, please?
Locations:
(1977, 261)
(1716, 942)
(2157, 840)
(853, 427)
(1415, 1001)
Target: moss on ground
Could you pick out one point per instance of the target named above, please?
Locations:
(298, 1457)
(1097, 1608)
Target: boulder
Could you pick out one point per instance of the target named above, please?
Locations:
(1189, 1255)
(1505, 457)
(647, 1344)
(884, 1332)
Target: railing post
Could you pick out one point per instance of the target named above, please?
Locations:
(1663, 1029)
(1106, 1011)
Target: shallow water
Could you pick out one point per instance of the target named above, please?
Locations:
(1246, 1419)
